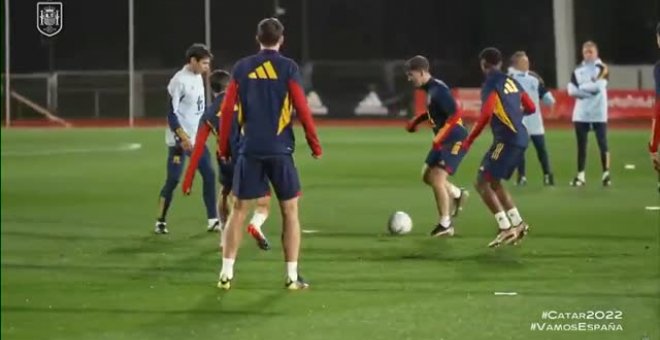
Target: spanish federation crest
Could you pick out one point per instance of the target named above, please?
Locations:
(49, 18)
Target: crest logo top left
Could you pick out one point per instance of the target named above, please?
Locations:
(49, 18)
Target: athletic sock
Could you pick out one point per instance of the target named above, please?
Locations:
(292, 271)
(258, 220)
(514, 216)
(445, 221)
(502, 221)
(581, 176)
(227, 271)
(454, 190)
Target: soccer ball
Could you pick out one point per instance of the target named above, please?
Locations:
(400, 223)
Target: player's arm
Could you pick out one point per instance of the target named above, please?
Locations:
(304, 113)
(574, 90)
(175, 90)
(527, 103)
(487, 109)
(411, 125)
(599, 84)
(443, 97)
(655, 127)
(227, 113)
(545, 94)
(203, 133)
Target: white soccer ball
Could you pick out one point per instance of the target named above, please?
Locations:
(400, 223)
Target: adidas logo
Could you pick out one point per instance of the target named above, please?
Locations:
(264, 71)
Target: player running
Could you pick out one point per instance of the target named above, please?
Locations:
(266, 87)
(186, 91)
(501, 98)
(655, 129)
(446, 153)
(589, 86)
(210, 123)
(535, 88)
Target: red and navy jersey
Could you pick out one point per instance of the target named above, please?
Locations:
(212, 118)
(504, 103)
(441, 104)
(442, 112)
(266, 87)
(503, 99)
(655, 128)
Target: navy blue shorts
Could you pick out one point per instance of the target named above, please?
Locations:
(226, 176)
(500, 161)
(449, 156)
(252, 175)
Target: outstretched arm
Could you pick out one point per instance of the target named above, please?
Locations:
(487, 109)
(227, 114)
(200, 142)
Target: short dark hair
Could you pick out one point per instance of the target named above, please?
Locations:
(418, 63)
(218, 80)
(269, 31)
(199, 52)
(657, 29)
(491, 55)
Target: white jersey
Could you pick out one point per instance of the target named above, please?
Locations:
(589, 86)
(535, 88)
(186, 90)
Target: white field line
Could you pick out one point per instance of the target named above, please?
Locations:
(52, 152)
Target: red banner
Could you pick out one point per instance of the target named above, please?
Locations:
(622, 104)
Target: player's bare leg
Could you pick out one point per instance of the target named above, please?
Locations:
(258, 218)
(291, 243)
(520, 228)
(436, 178)
(232, 234)
(223, 206)
(488, 195)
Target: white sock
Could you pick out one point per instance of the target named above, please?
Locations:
(227, 270)
(212, 221)
(581, 176)
(454, 190)
(605, 174)
(445, 221)
(292, 270)
(502, 220)
(258, 219)
(514, 216)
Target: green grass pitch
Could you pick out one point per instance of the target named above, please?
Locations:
(79, 260)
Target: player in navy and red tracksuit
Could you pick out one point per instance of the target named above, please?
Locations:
(655, 129)
(266, 87)
(446, 154)
(210, 123)
(502, 98)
